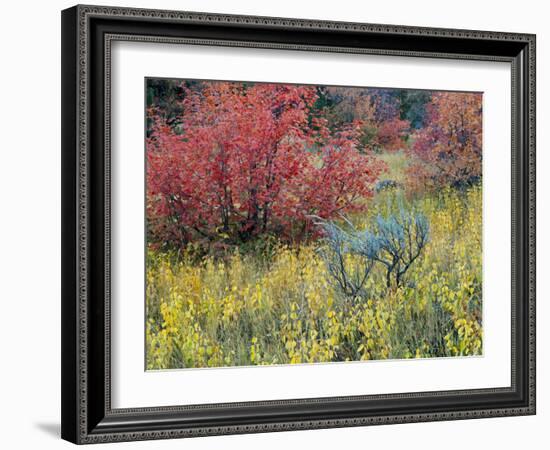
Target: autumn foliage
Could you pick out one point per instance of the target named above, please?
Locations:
(248, 159)
(448, 149)
(230, 161)
(295, 224)
(378, 114)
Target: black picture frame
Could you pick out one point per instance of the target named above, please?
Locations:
(87, 33)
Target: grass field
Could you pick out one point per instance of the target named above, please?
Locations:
(277, 306)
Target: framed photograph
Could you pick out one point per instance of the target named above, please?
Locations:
(281, 224)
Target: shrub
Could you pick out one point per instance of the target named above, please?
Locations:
(249, 160)
(340, 244)
(448, 149)
(395, 242)
(401, 238)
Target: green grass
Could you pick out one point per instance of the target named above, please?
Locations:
(397, 163)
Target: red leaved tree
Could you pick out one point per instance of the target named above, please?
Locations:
(248, 160)
(449, 148)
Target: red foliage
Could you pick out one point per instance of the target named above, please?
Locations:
(249, 159)
(391, 134)
(449, 148)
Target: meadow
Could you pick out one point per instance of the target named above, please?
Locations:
(276, 305)
(293, 224)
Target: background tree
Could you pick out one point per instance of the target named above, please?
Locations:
(448, 150)
(412, 106)
(376, 111)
